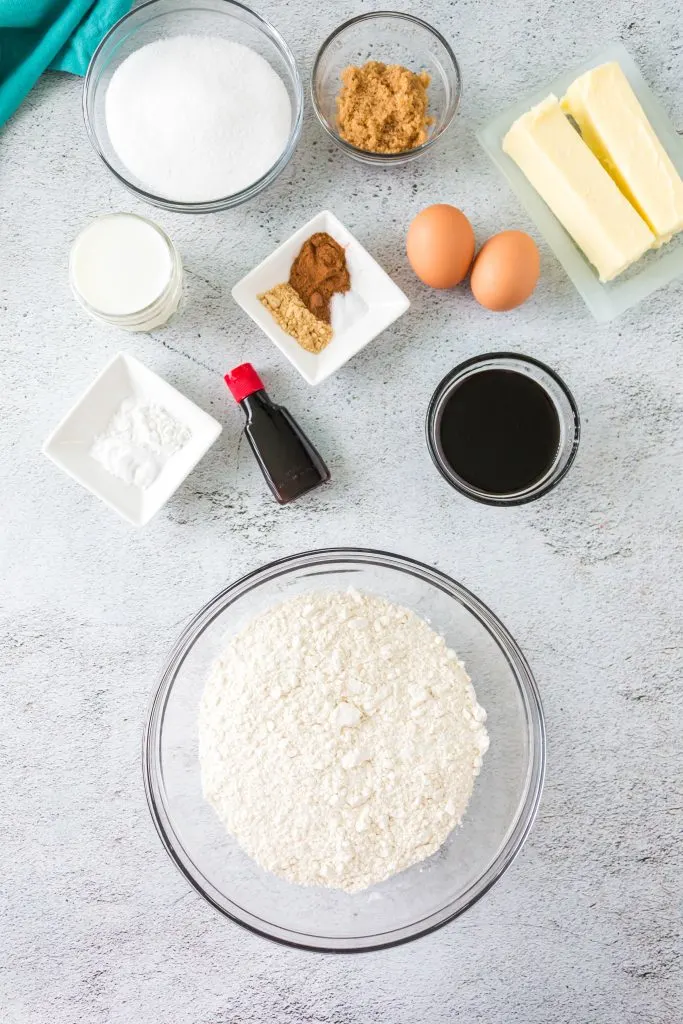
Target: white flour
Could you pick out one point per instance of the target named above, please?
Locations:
(196, 118)
(139, 440)
(339, 739)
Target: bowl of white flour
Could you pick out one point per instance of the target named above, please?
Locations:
(195, 107)
(345, 751)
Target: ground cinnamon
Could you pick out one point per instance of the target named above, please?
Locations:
(382, 108)
(318, 272)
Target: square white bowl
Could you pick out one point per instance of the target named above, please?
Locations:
(384, 300)
(69, 445)
(653, 270)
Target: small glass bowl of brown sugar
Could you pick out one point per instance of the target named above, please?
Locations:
(385, 87)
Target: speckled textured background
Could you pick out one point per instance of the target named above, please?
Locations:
(95, 924)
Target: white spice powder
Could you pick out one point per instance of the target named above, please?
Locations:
(197, 118)
(339, 739)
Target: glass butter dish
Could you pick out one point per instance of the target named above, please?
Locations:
(657, 267)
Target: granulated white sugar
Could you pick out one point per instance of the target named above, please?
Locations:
(197, 118)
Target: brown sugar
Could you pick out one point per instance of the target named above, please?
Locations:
(382, 108)
(318, 272)
(290, 312)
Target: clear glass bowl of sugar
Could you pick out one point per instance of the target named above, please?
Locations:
(163, 22)
(416, 901)
(390, 37)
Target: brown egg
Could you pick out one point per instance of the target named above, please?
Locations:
(440, 245)
(505, 271)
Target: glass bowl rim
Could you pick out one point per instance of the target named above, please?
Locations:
(329, 128)
(225, 202)
(548, 483)
(518, 830)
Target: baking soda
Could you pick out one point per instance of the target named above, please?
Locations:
(139, 440)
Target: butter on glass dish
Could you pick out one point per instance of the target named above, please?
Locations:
(608, 280)
(364, 300)
(131, 439)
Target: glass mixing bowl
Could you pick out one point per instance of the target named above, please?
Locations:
(392, 38)
(425, 896)
(162, 19)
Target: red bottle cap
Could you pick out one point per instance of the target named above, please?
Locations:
(243, 381)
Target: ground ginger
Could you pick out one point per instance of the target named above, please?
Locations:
(291, 313)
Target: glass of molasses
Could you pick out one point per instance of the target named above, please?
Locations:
(502, 428)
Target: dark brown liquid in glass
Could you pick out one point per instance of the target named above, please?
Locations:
(499, 431)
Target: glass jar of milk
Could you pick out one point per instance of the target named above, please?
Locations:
(125, 271)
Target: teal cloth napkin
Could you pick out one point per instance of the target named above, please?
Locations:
(59, 34)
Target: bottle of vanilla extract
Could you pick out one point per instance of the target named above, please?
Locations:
(288, 460)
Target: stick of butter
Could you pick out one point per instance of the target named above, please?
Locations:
(578, 189)
(613, 124)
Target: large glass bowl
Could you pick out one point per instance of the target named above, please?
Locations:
(391, 38)
(163, 19)
(420, 899)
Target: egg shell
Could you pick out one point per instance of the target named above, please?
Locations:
(440, 245)
(505, 271)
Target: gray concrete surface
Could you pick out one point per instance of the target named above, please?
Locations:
(95, 923)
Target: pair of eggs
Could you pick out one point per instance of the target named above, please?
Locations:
(440, 247)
